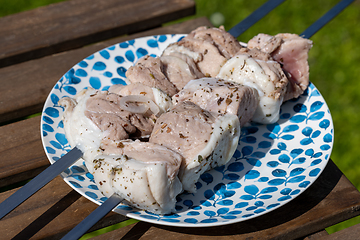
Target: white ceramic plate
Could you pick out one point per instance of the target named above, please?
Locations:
(272, 165)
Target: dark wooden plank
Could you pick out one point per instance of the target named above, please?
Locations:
(331, 199)
(22, 153)
(51, 213)
(23, 156)
(72, 24)
(26, 85)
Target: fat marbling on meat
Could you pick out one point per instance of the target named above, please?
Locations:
(144, 174)
(203, 139)
(291, 51)
(221, 97)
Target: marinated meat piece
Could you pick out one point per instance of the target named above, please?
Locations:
(148, 71)
(144, 174)
(265, 43)
(266, 77)
(226, 43)
(81, 131)
(108, 112)
(203, 140)
(178, 71)
(221, 97)
(211, 61)
(161, 99)
(292, 53)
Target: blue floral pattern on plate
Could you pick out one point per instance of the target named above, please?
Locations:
(272, 165)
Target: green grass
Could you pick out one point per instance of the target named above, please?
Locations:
(334, 61)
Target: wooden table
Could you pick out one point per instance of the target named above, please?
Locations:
(37, 47)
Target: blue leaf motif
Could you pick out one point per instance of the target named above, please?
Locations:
(296, 171)
(316, 116)
(54, 98)
(50, 150)
(247, 150)
(162, 38)
(287, 137)
(269, 135)
(306, 141)
(279, 173)
(316, 134)
(324, 124)
(274, 128)
(209, 213)
(316, 106)
(241, 204)
(284, 158)
(140, 52)
(47, 120)
(130, 56)
(264, 144)
(276, 182)
(233, 185)
(300, 160)
(298, 118)
(281, 146)
(105, 54)
(209, 194)
(99, 66)
(61, 138)
(119, 59)
(291, 128)
(152, 43)
(252, 174)
(328, 138)
(300, 108)
(269, 190)
(296, 152)
(95, 82)
(272, 164)
(296, 179)
(307, 131)
(124, 45)
(52, 112)
(236, 167)
(121, 71)
(226, 202)
(231, 176)
(56, 144)
(207, 177)
(251, 189)
(222, 211)
(71, 90)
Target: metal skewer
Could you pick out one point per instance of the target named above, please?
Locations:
(114, 200)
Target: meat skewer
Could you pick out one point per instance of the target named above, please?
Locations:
(21, 195)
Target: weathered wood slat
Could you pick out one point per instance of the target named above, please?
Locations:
(26, 85)
(22, 157)
(332, 198)
(21, 152)
(50, 213)
(72, 24)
